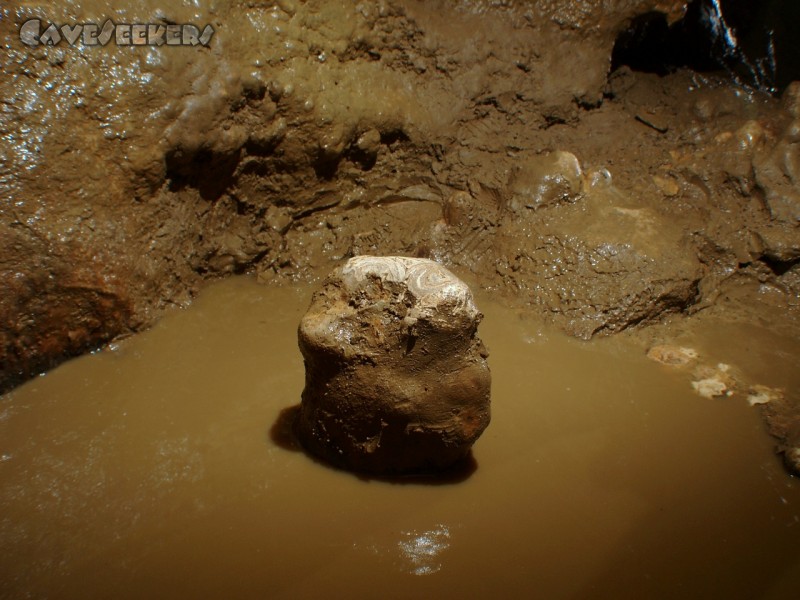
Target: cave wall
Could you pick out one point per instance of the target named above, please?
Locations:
(307, 132)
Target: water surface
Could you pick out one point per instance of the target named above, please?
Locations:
(149, 470)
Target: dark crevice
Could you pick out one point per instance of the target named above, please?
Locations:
(754, 42)
(325, 167)
(779, 267)
(242, 208)
(210, 173)
(365, 160)
(649, 44)
(395, 136)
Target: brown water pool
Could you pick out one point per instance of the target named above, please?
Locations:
(159, 468)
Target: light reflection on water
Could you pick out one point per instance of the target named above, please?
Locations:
(421, 551)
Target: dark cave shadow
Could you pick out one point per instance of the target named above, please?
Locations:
(281, 433)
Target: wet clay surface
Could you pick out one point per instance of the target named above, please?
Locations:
(158, 468)
(306, 132)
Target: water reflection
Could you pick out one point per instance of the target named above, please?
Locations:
(421, 551)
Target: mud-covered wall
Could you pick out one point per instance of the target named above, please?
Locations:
(470, 132)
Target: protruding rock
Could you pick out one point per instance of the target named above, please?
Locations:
(783, 419)
(546, 180)
(791, 99)
(761, 394)
(396, 377)
(714, 382)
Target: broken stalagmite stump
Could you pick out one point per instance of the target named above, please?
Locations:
(396, 377)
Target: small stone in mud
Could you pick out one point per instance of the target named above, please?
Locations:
(714, 382)
(711, 387)
(793, 460)
(782, 414)
(761, 394)
(369, 142)
(396, 377)
(667, 185)
(671, 355)
(546, 180)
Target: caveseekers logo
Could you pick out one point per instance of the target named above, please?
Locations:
(32, 33)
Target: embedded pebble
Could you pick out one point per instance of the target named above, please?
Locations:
(761, 394)
(672, 355)
(714, 382)
(667, 185)
(546, 180)
(712, 387)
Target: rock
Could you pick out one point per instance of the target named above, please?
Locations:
(672, 355)
(791, 99)
(776, 172)
(792, 460)
(73, 303)
(369, 142)
(714, 382)
(705, 109)
(546, 180)
(712, 387)
(396, 377)
(782, 414)
(457, 209)
(600, 265)
(749, 135)
(667, 185)
(761, 394)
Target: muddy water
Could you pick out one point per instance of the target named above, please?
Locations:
(159, 468)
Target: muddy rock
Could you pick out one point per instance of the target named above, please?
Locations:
(546, 181)
(782, 414)
(777, 171)
(791, 99)
(667, 354)
(396, 377)
(602, 264)
(71, 304)
(714, 381)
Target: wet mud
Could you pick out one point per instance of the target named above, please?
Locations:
(158, 467)
(488, 136)
(485, 135)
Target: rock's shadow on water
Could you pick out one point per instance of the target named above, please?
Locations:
(281, 433)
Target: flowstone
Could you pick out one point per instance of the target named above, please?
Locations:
(396, 376)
